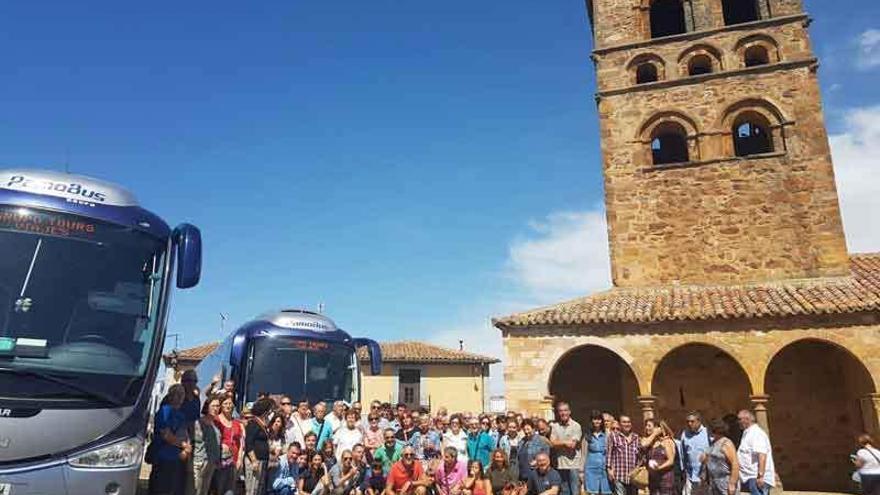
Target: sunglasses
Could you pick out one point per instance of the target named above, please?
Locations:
(409, 456)
(286, 404)
(346, 458)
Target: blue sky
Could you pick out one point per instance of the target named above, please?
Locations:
(416, 166)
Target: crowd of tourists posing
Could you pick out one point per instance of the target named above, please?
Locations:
(202, 446)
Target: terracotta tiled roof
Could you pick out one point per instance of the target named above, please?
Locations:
(194, 353)
(399, 352)
(420, 352)
(855, 293)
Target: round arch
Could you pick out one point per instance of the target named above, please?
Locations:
(765, 111)
(700, 376)
(643, 59)
(762, 40)
(591, 376)
(645, 131)
(700, 49)
(819, 390)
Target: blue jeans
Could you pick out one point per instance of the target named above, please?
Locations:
(751, 486)
(571, 482)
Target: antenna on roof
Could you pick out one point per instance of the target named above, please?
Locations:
(460, 345)
(223, 318)
(320, 308)
(176, 339)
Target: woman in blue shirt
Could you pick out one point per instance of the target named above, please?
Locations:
(171, 447)
(595, 474)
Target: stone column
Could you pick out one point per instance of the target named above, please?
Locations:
(545, 408)
(759, 405)
(871, 413)
(648, 403)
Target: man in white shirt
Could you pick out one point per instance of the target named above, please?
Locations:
(756, 470)
(336, 416)
(298, 425)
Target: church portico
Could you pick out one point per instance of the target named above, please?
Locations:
(804, 377)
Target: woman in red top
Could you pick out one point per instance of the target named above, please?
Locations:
(232, 446)
(476, 483)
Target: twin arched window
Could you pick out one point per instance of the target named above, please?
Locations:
(740, 11)
(756, 55)
(754, 126)
(646, 72)
(667, 18)
(669, 144)
(751, 134)
(700, 64)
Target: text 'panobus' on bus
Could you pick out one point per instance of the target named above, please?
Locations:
(296, 353)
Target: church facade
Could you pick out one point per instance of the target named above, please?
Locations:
(732, 284)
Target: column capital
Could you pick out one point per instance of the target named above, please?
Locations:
(647, 402)
(759, 404)
(546, 405)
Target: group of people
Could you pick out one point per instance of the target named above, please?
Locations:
(201, 445)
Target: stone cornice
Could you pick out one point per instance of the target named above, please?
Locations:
(695, 35)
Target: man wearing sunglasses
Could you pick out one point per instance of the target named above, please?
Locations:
(343, 475)
(479, 443)
(407, 476)
(389, 452)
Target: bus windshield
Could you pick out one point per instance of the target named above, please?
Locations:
(78, 303)
(303, 369)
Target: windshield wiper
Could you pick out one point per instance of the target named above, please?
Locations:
(93, 393)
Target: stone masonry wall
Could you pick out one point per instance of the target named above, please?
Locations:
(619, 22)
(720, 218)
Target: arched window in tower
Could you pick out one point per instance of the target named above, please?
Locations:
(740, 11)
(756, 55)
(667, 18)
(646, 73)
(700, 64)
(751, 135)
(669, 144)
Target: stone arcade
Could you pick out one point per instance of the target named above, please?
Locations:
(732, 285)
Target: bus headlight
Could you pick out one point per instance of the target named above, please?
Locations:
(125, 453)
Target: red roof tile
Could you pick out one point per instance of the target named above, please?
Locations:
(392, 352)
(420, 352)
(855, 293)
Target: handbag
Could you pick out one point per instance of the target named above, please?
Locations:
(150, 454)
(639, 477)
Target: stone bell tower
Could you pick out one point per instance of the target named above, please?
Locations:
(715, 154)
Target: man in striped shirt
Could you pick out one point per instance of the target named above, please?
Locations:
(623, 454)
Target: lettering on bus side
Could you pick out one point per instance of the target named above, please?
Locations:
(64, 188)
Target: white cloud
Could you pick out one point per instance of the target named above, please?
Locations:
(856, 155)
(565, 255)
(869, 49)
(561, 256)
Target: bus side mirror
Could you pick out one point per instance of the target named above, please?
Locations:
(375, 354)
(189, 255)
